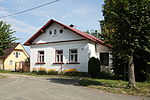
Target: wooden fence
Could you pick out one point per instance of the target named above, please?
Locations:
(22, 67)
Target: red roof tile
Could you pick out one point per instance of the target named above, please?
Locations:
(84, 35)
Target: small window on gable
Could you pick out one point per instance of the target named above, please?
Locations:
(17, 54)
(61, 31)
(55, 31)
(50, 32)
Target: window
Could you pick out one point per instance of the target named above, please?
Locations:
(10, 62)
(104, 58)
(40, 57)
(55, 31)
(61, 31)
(73, 55)
(17, 54)
(59, 56)
(50, 32)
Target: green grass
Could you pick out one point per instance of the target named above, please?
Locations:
(108, 85)
(116, 86)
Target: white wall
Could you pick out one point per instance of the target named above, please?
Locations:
(95, 50)
(86, 49)
(66, 35)
(49, 50)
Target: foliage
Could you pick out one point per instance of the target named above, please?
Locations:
(68, 70)
(35, 70)
(126, 25)
(27, 60)
(72, 73)
(6, 37)
(96, 33)
(93, 66)
(42, 71)
(52, 72)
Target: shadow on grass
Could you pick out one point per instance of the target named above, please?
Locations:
(66, 81)
(78, 82)
(86, 81)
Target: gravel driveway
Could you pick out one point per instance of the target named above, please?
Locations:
(17, 87)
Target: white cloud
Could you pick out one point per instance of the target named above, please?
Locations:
(43, 13)
(17, 25)
(80, 11)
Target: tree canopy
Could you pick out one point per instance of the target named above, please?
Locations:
(6, 37)
(127, 27)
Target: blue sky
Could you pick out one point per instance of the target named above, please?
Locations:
(84, 14)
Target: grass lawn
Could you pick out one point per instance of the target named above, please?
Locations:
(117, 86)
(108, 85)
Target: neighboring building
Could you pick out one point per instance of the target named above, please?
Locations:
(12, 56)
(57, 46)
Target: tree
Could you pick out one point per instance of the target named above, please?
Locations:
(96, 33)
(127, 29)
(6, 37)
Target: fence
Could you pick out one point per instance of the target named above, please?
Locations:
(22, 67)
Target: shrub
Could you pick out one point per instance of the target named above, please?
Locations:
(70, 70)
(93, 66)
(42, 71)
(34, 70)
(52, 72)
(72, 73)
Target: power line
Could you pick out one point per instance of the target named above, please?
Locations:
(29, 9)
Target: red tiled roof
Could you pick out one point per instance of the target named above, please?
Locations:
(8, 51)
(84, 35)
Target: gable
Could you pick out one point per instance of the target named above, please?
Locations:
(21, 48)
(56, 32)
(14, 47)
(35, 38)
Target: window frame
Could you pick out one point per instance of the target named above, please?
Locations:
(104, 63)
(74, 59)
(40, 57)
(60, 56)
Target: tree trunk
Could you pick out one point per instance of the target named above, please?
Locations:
(131, 75)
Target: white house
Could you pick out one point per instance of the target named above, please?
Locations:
(60, 47)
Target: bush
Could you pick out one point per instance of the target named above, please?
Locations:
(93, 66)
(72, 73)
(52, 72)
(34, 70)
(42, 71)
(70, 70)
